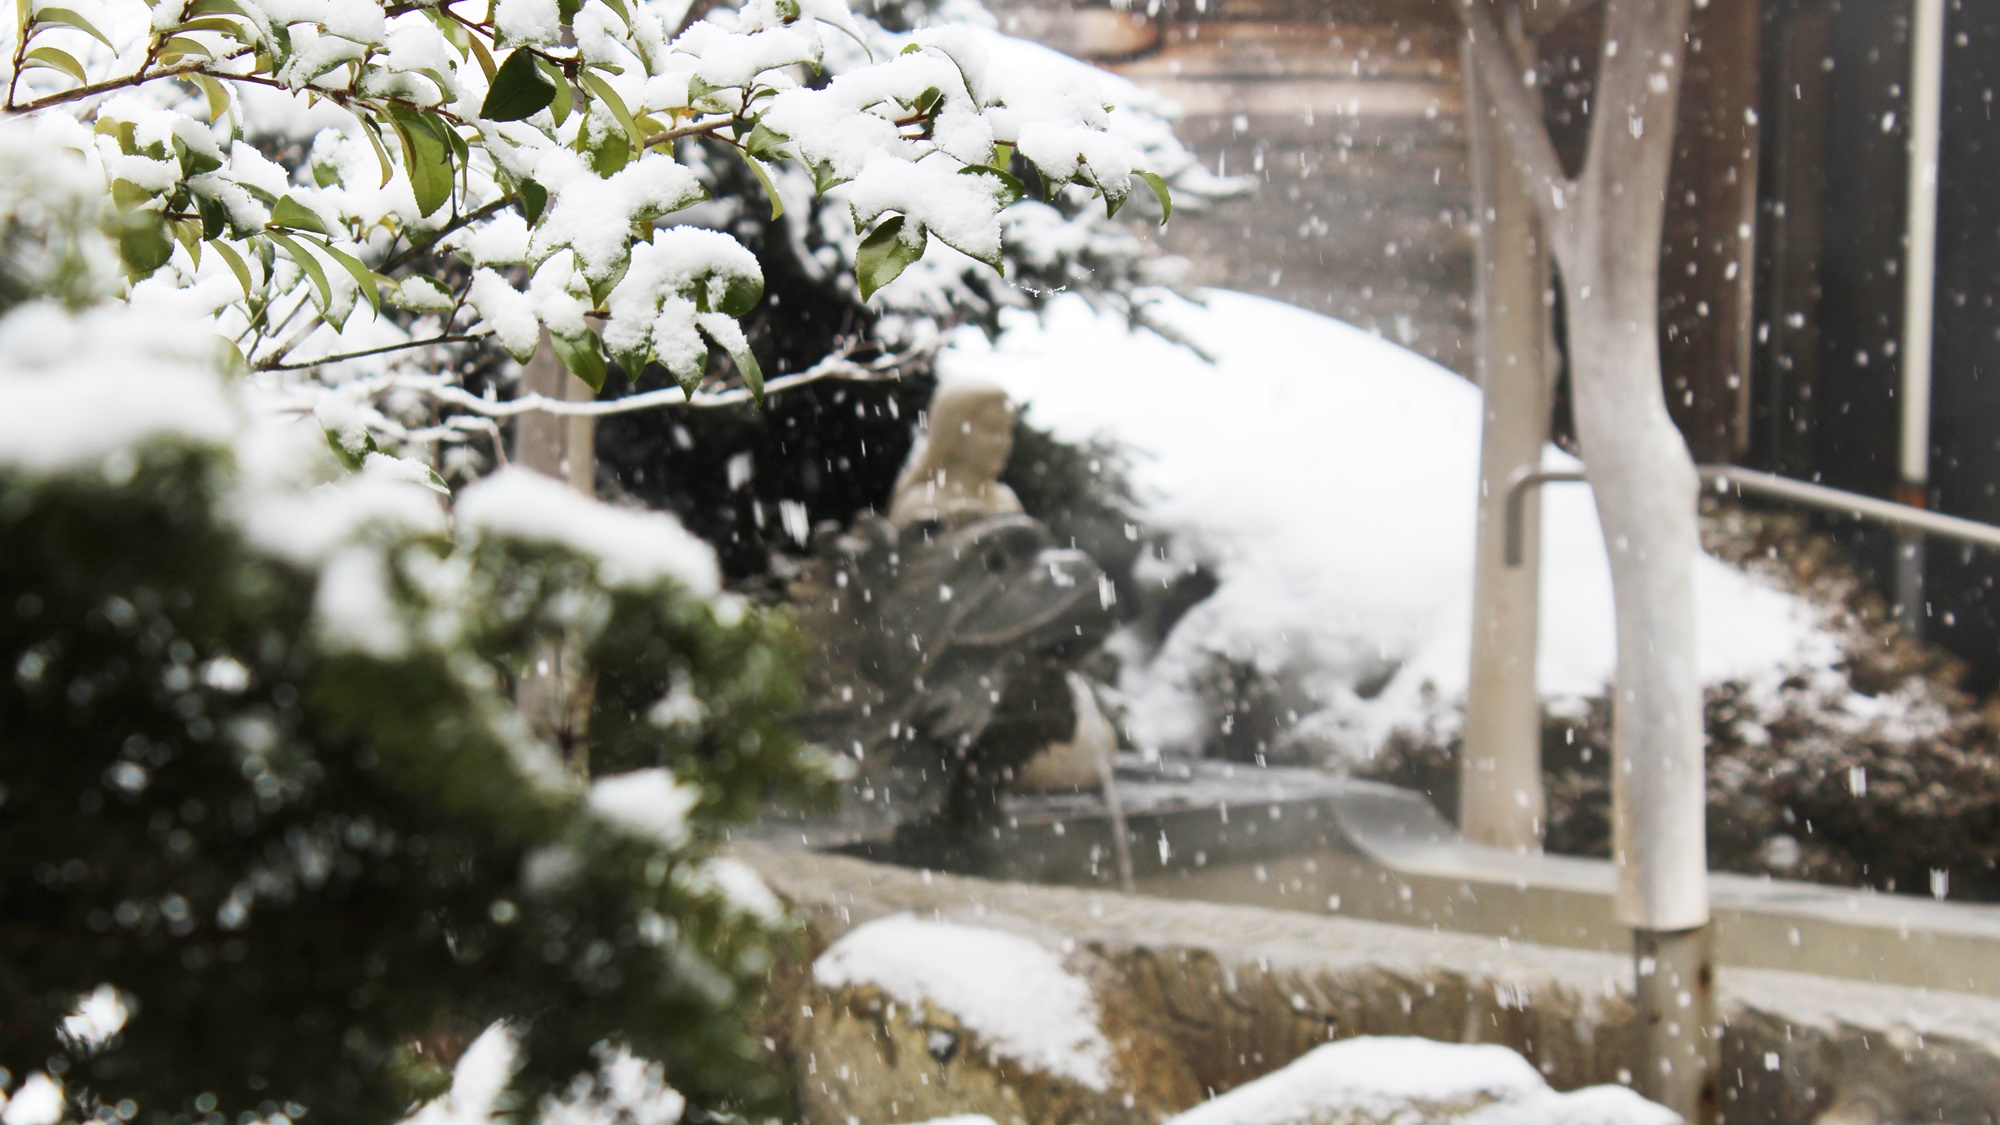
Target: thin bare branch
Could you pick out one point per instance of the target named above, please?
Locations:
(691, 129)
(125, 82)
(450, 338)
(832, 367)
(418, 249)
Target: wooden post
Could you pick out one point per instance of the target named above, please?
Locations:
(564, 448)
(551, 694)
(1500, 797)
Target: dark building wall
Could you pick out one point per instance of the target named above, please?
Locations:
(1965, 419)
(1860, 315)
(1831, 231)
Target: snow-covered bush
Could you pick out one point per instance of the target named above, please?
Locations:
(271, 824)
(352, 176)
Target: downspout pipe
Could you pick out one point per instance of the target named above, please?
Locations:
(1927, 31)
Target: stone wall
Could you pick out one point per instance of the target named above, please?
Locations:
(1236, 992)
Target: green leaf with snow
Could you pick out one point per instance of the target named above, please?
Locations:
(292, 214)
(1160, 193)
(144, 247)
(55, 58)
(764, 177)
(884, 255)
(731, 340)
(519, 91)
(67, 17)
(583, 357)
(308, 265)
(427, 156)
(1007, 187)
(534, 200)
(763, 139)
(235, 262)
(421, 293)
(363, 277)
(602, 91)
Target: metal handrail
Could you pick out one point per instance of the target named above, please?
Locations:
(1751, 481)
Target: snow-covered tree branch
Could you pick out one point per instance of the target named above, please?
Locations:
(353, 179)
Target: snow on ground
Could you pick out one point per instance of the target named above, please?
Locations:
(1008, 990)
(1328, 477)
(1383, 1079)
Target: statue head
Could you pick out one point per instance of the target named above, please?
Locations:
(954, 472)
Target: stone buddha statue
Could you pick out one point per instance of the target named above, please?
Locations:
(945, 634)
(953, 475)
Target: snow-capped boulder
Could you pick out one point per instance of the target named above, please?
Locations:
(910, 1019)
(1396, 1080)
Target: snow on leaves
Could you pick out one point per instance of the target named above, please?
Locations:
(457, 128)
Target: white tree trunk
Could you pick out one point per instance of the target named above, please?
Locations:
(1646, 490)
(1639, 465)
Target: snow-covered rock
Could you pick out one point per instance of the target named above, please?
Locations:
(1394, 1080)
(1329, 479)
(913, 1019)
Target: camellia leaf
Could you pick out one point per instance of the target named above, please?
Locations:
(740, 294)
(745, 360)
(55, 59)
(297, 216)
(69, 18)
(437, 296)
(601, 90)
(564, 95)
(1007, 187)
(884, 255)
(314, 272)
(519, 91)
(534, 199)
(583, 356)
(484, 56)
(145, 246)
(214, 216)
(363, 276)
(1160, 193)
(1113, 200)
(214, 95)
(764, 177)
(763, 139)
(427, 156)
(236, 264)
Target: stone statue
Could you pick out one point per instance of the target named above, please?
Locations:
(953, 475)
(945, 634)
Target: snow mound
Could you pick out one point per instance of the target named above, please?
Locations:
(1329, 479)
(1009, 990)
(1395, 1079)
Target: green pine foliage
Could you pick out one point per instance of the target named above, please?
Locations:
(298, 852)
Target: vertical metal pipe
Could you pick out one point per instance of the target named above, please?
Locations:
(1927, 32)
(1680, 1041)
(1500, 781)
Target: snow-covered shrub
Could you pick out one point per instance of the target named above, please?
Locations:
(1877, 773)
(268, 812)
(752, 482)
(359, 177)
